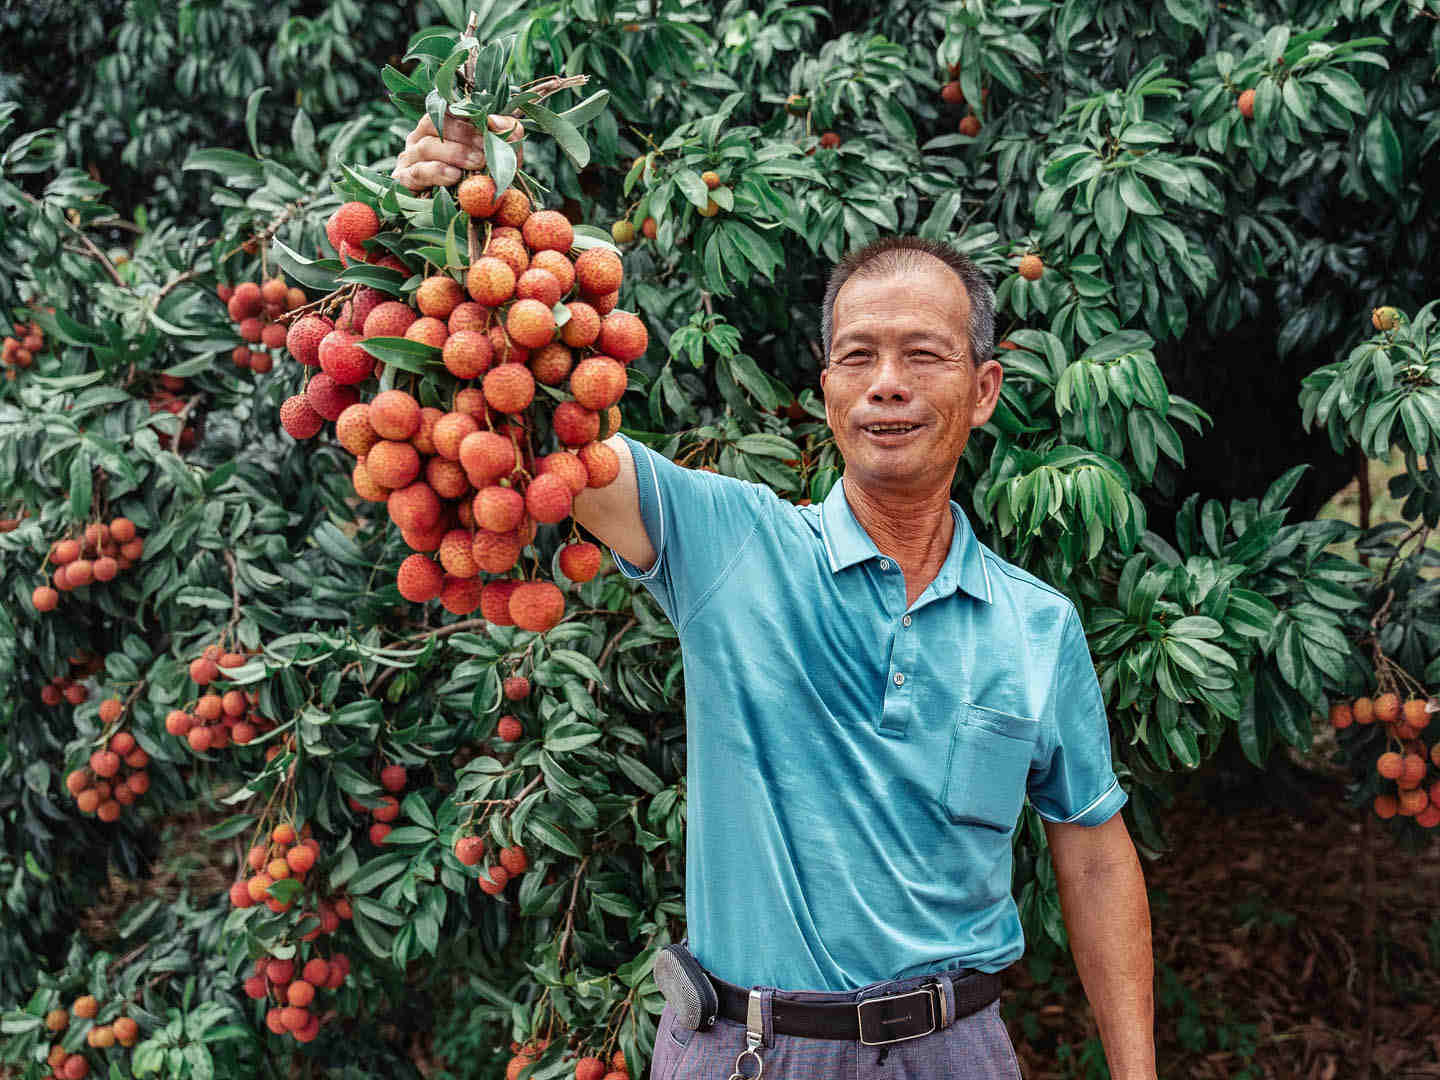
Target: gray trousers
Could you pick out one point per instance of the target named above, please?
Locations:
(975, 1048)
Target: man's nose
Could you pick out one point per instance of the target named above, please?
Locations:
(890, 381)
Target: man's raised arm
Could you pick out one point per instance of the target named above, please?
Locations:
(612, 513)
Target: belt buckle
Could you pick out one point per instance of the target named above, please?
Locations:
(923, 992)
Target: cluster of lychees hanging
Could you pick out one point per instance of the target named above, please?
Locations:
(65, 687)
(163, 398)
(103, 551)
(287, 855)
(120, 1030)
(589, 1067)
(295, 1010)
(219, 719)
(393, 779)
(470, 484)
(253, 309)
(115, 775)
(19, 351)
(1407, 760)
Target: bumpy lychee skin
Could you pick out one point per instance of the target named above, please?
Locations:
(970, 125)
(516, 687)
(428, 331)
(597, 383)
(447, 478)
(329, 398)
(598, 271)
(251, 329)
(476, 196)
(468, 315)
(580, 561)
(426, 541)
(490, 281)
(460, 596)
(393, 464)
(495, 553)
(623, 336)
(349, 227)
(541, 285)
(394, 414)
(366, 300)
(1031, 267)
(558, 264)
(605, 303)
(415, 507)
(353, 429)
(510, 250)
(548, 498)
(424, 438)
(299, 418)
(486, 457)
(470, 849)
(509, 388)
(537, 606)
(506, 351)
(304, 337)
(342, 358)
(438, 296)
(514, 860)
(273, 336)
(548, 230)
(530, 323)
(449, 431)
(495, 602)
(247, 300)
(498, 509)
(551, 364)
(566, 466)
(602, 464)
(513, 208)
(44, 598)
(1246, 104)
(456, 555)
(468, 354)
(390, 319)
(574, 424)
(471, 401)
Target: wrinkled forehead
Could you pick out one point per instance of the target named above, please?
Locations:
(922, 297)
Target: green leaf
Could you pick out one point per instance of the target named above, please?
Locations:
(81, 482)
(407, 355)
(316, 274)
(639, 774)
(378, 871)
(565, 134)
(1382, 152)
(234, 167)
(1110, 212)
(252, 110)
(692, 187)
(588, 109)
(551, 835)
(500, 161)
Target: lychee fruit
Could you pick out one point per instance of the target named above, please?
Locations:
(486, 456)
(394, 414)
(273, 336)
(492, 884)
(623, 232)
(495, 553)
(557, 264)
(390, 319)
(329, 398)
(599, 271)
(470, 850)
(567, 467)
(548, 498)
(490, 281)
(446, 477)
(438, 296)
(597, 383)
(602, 464)
(623, 336)
(541, 285)
(509, 388)
(354, 430)
(304, 337)
(548, 230)
(476, 196)
(498, 509)
(342, 358)
(506, 351)
(348, 229)
(830, 140)
(648, 228)
(468, 315)
(951, 94)
(1387, 708)
(415, 507)
(495, 603)
(468, 354)
(530, 323)
(970, 125)
(579, 561)
(513, 208)
(460, 596)
(1246, 104)
(604, 303)
(299, 418)
(537, 606)
(44, 598)
(509, 729)
(419, 579)
(509, 250)
(393, 464)
(456, 555)
(1031, 267)
(1385, 319)
(428, 331)
(573, 423)
(551, 364)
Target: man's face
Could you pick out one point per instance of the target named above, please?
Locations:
(900, 356)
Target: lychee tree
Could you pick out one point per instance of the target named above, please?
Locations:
(494, 793)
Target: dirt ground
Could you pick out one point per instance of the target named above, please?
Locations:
(1257, 919)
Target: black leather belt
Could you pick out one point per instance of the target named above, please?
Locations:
(874, 1021)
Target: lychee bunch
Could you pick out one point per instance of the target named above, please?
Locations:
(120, 1030)
(20, 350)
(1410, 765)
(256, 309)
(101, 552)
(223, 716)
(65, 687)
(382, 814)
(292, 987)
(114, 775)
(469, 486)
(288, 854)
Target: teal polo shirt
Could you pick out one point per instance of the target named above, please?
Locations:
(856, 766)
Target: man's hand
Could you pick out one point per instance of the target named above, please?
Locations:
(430, 161)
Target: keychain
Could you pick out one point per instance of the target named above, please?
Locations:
(754, 1039)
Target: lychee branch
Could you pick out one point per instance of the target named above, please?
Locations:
(570, 913)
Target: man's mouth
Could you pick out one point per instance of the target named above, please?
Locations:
(889, 428)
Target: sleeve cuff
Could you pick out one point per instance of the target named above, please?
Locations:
(630, 570)
(1098, 811)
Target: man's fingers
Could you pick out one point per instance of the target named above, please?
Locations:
(422, 129)
(451, 153)
(500, 124)
(427, 174)
(460, 130)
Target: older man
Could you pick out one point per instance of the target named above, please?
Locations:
(871, 694)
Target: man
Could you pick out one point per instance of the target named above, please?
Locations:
(871, 694)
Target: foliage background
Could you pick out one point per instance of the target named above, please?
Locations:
(1156, 455)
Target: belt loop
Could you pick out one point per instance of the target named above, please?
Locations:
(760, 1017)
(947, 1001)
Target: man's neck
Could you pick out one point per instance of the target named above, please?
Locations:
(915, 529)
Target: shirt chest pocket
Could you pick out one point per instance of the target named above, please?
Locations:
(987, 767)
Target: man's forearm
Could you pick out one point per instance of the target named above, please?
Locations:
(1107, 915)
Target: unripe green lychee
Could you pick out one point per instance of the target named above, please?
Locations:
(623, 232)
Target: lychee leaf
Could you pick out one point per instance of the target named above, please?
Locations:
(566, 134)
(317, 274)
(399, 352)
(588, 109)
(252, 109)
(500, 160)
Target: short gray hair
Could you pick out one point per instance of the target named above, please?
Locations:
(898, 254)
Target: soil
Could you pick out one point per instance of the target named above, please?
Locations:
(1259, 957)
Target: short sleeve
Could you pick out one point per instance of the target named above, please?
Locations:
(1074, 783)
(698, 523)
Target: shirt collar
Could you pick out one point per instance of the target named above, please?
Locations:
(847, 543)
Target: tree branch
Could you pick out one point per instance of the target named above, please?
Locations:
(570, 914)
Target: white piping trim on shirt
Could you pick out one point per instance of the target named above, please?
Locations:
(825, 539)
(1087, 808)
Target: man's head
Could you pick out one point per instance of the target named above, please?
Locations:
(908, 327)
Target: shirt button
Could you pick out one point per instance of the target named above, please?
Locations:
(899, 678)
(905, 621)
(884, 564)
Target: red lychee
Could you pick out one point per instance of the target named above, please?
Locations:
(246, 301)
(450, 432)
(513, 208)
(537, 606)
(601, 463)
(354, 431)
(498, 509)
(556, 263)
(486, 457)
(393, 464)
(509, 250)
(428, 331)
(304, 337)
(505, 350)
(623, 336)
(551, 364)
(514, 860)
(329, 398)
(468, 316)
(599, 271)
(438, 296)
(548, 230)
(566, 466)
(460, 596)
(446, 477)
(539, 285)
(548, 498)
(394, 414)
(273, 336)
(476, 196)
(468, 354)
(1031, 267)
(299, 418)
(574, 424)
(348, 229)
(509, 729)
(509, 388)
(415, 507)
(530, 323)
(342, 358)
(490, 281)
(495, 602)
(470, 850)
(597, 383)
(390, 319)
(495, 553)
(456, 555)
